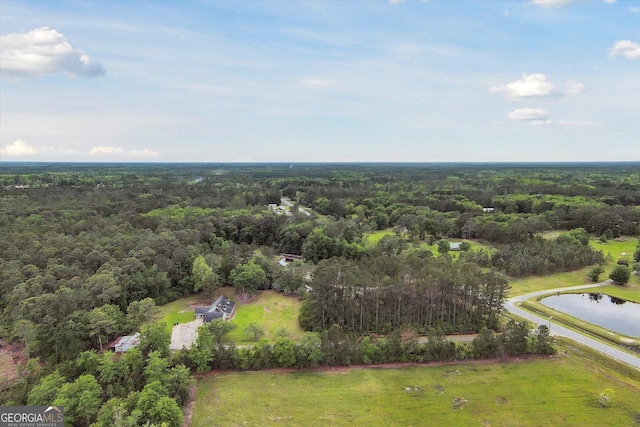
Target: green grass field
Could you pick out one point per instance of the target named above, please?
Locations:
(181, 311)
(269, 309)
(561, 391)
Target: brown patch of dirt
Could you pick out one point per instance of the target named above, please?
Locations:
(267, 310)
(188, 408)
(11, 356)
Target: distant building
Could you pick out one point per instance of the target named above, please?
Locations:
(222, 308)
(455, 246)
(488, 210)
(291, 257)
(122, 344)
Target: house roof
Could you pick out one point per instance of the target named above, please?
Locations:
(217, 310)
(455, 245)
(125, 343)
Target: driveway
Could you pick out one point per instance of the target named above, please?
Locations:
(184, 334)
(559, 330)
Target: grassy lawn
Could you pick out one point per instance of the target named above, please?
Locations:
(617, 248)
(553, 281)
(561, 391)
(630, 292)
(269, 309)
(181, 311)
(374, 238)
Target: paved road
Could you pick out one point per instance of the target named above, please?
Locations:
(559, 330)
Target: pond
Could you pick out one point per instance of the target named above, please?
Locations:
(609, 312)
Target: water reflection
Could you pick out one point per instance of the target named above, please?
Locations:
(612, 313)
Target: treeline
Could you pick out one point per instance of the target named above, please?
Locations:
(538, 256)
(335, 347)
(143, 386)
(385, 293)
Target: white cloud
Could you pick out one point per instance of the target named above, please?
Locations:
(573, 87)
(18, 148)
(144, 153)
(106, 150)
(43, 51)
(609, 1)
(634, 9)
(534, 116)
(550, 3)
(575, 123)
(626, 48)
(117, 151)
(531, 85)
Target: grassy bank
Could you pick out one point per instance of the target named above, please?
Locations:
(581, 325)
(269, 309)
(559, 391)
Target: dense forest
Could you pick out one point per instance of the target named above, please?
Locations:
(87, 251)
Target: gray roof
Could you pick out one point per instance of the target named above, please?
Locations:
(217, 310)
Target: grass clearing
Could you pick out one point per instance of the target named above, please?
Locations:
(374, 237)
(269, 309)
(181, 311)
(562, 390)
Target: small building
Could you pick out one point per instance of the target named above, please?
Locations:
(455, 246)
(283, 262)
(122, 344)
(488, 210)
(291, 257)
(222, 308)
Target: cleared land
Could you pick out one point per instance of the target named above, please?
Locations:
(558, 391)
(272, 311)
(181, 311)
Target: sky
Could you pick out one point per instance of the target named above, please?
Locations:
(332, 81)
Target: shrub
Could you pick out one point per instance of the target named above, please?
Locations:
(620, 275)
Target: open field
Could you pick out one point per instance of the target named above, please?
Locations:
(616, 247)
(180, 311)
(562, 390)
(374, 238)
(269, 309)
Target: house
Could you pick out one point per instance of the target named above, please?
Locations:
(122, 344)
(291, 257)
(455, 246)
(222, 308)
(488, 210)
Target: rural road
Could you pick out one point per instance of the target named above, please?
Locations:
(559, 330)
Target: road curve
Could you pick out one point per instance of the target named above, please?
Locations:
(557, 329)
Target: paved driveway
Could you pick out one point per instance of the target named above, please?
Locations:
(184, 334)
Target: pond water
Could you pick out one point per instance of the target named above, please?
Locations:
(609, 312)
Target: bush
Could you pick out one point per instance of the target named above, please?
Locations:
(594, 273)
(620, 275)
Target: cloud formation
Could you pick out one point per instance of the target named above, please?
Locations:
(530, 85)
(573, 87)
(117, 151)
(44, 51)
(550, 3)
(18, 148)
(534, 116)
(626, 48)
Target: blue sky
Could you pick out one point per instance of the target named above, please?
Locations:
(352, 81)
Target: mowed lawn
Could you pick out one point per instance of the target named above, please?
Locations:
(562, 391)
(180, 311)
(269, 309)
